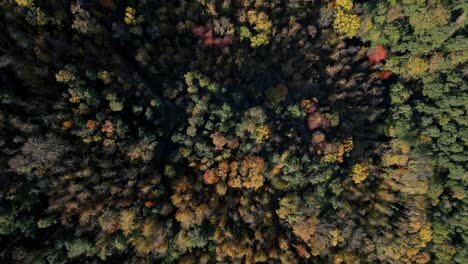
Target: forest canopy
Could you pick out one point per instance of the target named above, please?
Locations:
(233, 131)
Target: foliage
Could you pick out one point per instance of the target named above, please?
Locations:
(428, 103)
(359, 172)
(233, 131)
(24, 2)
(345, 23)
(129, 15)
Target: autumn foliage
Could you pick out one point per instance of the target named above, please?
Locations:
(384, 75)
(378, 54)
(207, 35)
(245, 131)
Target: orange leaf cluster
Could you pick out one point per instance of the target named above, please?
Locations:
(248, 175)
(107, 127)
(91, 124)
(67, 124)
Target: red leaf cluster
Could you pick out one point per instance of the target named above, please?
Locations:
(315, 119)
(384, 75)
(199, 31)
(379, 54)
(206, 33)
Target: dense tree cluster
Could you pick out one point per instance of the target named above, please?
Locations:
(233, 131)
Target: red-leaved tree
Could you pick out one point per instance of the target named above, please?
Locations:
(206, 33)
(379, 54)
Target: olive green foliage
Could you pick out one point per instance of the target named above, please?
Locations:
(428, 48)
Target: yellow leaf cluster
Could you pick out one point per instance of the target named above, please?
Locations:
(394, 159)
(305, 104)
(335, 237)
(129, 16)
(335, 152)
(425, 234)
(263, 133)
(232, 250)
(346, 24)
(64, 76)
(416, 66)
(74, 99)
(104, 76)
(261, 24)
(24, 3)
(192, 215)
(398, 154)
(367, 25)
(400, 145)
(348, 144)
(259, 20)
(359, 172)
(345, 4)
(458, 192)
